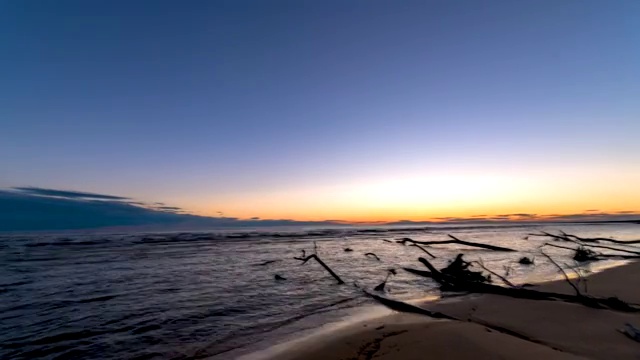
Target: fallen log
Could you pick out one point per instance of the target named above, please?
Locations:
(455, 240)
(448, 282)
(401, 306)
(408, 308)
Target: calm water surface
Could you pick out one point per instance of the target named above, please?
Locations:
(204, 295)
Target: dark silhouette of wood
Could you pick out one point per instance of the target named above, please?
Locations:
(372, 254)
(631, 332)
(525, 261)
(455, 240)
(266, 263)
(424, 250)
(504, 279)
(408, 308)
(448, 282)
(386, 240)
(600, 239)
(423, 273)
(325, 266)
(577, 239)
(381, 286)
(566, 277)
(582, 254)
(348, 249)
(612, 249)
(278, 277)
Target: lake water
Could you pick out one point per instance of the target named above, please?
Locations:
(205, 294)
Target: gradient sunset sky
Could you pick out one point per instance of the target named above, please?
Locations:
(311, 110)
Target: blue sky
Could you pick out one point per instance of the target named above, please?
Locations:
(289, 109)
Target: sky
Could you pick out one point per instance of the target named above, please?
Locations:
(316, 110)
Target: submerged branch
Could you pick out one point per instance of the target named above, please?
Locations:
(372, 254)
(455, 240)
(325, 266)
(423, 249)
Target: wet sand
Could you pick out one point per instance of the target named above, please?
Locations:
(554, 329)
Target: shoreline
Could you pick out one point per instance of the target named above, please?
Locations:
(405, 336)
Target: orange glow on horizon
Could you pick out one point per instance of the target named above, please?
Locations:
(431, 198)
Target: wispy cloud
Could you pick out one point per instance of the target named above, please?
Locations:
(67, 194)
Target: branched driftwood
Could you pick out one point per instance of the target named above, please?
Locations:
(304, 259)
(566, 277)
(580, 240)
(448, 282)
(455, 240)
(600, 239)
(504, 279)
(424, 250)
(582, 253)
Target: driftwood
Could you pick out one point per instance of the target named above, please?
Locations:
(600, 239)
(525, 261)
(504, 279)
(405, 307)
(577, 239)
(266, 263)
(278, 277)
(372, 254)
(631, 332)
(424, 250)
(455, 240)
(459, 268)
(348, 249)
(448, 282)
(325, 266)
(381, 286)
(423, 273)
(582, 253)
(408, 308)
(566, 277)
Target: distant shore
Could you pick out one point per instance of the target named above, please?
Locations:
(555, 330)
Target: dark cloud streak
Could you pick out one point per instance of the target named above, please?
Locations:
(67, 194)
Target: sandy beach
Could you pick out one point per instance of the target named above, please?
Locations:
(554, 329)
